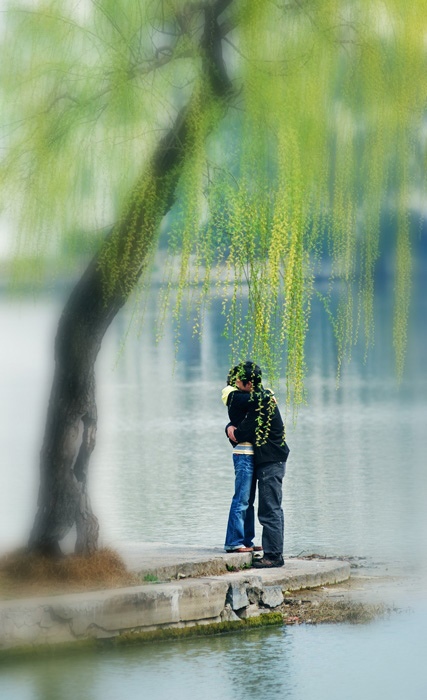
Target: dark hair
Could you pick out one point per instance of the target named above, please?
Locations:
(247, 372)
(232, 375)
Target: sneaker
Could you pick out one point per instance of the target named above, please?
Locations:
(266, 563)
(239, 550)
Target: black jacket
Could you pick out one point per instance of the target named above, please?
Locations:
(263, 427)
(237, 405)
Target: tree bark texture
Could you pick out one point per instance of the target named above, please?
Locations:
(70, 433)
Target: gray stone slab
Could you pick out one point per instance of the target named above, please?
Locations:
(272, 596)
(167, 561)
(237, 595)
(296, 574)
(303, 573)
(172, 561)
(106, 613)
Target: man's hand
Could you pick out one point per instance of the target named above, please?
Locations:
(230, 432)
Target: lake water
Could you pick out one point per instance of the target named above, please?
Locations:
(162, 471)
(338, 662)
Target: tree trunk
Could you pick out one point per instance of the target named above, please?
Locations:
(70, 433)
(69, 439)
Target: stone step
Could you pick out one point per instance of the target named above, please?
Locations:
(186, 601)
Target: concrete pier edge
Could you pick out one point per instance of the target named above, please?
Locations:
(205, 596)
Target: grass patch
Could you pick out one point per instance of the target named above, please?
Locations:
(242, 567)
(151, 578)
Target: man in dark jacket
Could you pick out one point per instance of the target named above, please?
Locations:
(263, 427)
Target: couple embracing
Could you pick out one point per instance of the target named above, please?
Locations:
(260, 452)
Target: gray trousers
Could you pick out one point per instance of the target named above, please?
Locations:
(270, 514)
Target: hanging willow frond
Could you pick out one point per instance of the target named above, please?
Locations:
(317, 139)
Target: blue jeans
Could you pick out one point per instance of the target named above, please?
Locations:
(241, 520)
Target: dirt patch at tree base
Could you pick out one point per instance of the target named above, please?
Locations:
(27, 575)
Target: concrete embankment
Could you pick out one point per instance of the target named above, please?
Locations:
(192, 587)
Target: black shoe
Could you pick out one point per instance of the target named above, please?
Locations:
(268, 563)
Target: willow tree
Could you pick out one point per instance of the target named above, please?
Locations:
(275, 130)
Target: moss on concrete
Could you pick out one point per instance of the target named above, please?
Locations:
(264, 620)
(26, 652)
